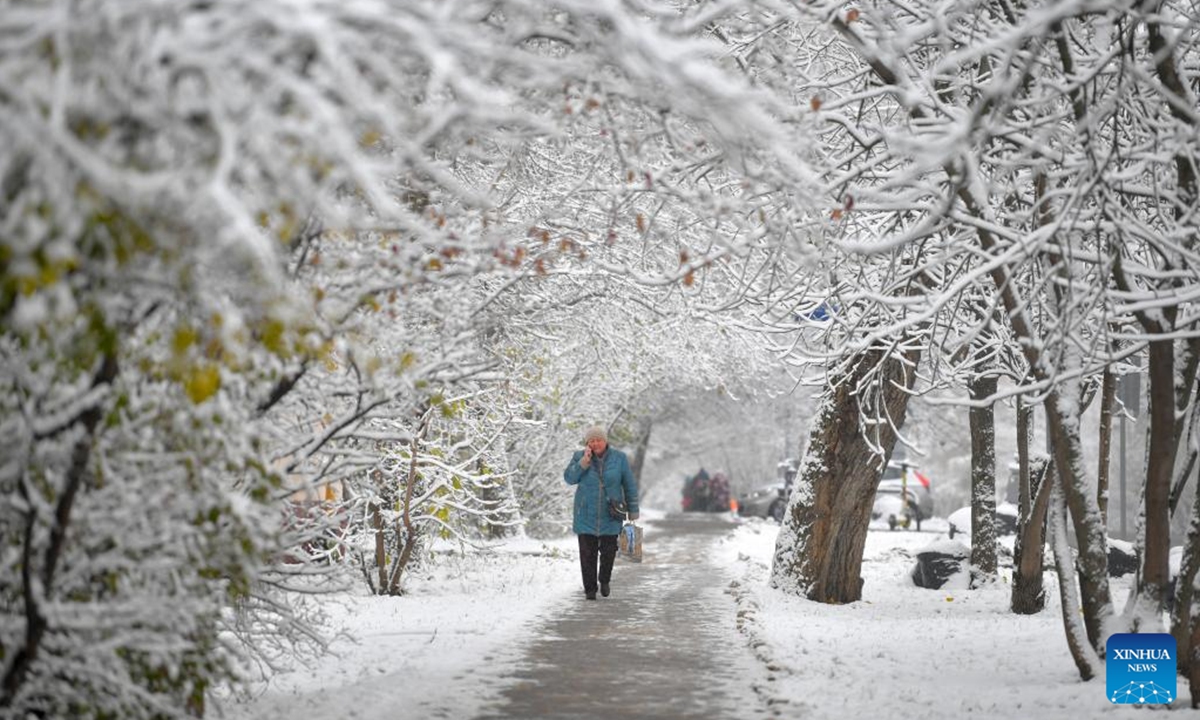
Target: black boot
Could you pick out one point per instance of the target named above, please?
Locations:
(604, 589)
(591, 595)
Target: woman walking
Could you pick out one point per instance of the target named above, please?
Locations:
(601, 477)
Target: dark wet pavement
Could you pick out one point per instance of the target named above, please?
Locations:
(663, 645)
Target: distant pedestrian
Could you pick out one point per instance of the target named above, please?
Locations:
(601, 477)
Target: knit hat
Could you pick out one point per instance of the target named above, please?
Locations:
(595, 432)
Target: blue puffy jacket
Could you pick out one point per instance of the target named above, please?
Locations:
(591, 514)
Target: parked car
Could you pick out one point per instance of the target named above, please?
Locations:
(768, 501)
(904, 496)
(1006, 521)
(1006, 529)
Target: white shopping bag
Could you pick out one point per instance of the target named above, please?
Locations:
(630, 542)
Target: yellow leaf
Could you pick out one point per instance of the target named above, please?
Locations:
(48, 274)
(183, 339)
(272, 337)
(202, 382)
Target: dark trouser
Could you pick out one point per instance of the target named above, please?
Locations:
(589, 547)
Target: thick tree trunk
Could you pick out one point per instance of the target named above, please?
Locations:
(982, 421)
(819, 550)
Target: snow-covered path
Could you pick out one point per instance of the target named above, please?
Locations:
(664, 645)
(694, 631)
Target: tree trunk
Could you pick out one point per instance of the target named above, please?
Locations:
(380, 547)
(1185, 623)
(1160, 467)
(37, 589)
(639, 451)
(1194, 670)
(1025, 490)
(1062, 417)
(819, 550)
(1028, 591)
(407, 534)
(1185, 615)
(983, 482)
(1108, 404)
(1092, 564)
(1189, 364)
(1086, 658)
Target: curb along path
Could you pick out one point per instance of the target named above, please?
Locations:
(663, 645)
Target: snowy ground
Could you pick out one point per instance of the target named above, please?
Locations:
(907, 652)
(902, 652)
(437, 652)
